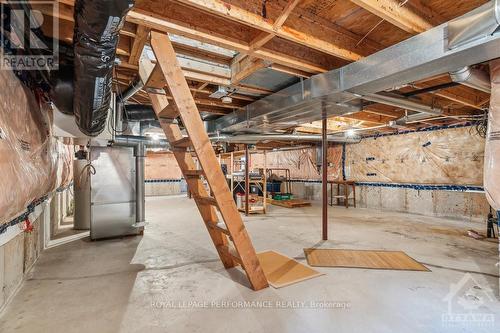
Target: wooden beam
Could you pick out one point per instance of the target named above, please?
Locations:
(364, 116)
(413, 17)
(213, 102)
(158, 23)
(154, 80)
(259, 41)
(337, 46)
(204, 68)
(123, 47)
(264, 36)
(142, 35)
(290, 71)
(281, 59)
(200, 87)
(245, 68)
(290, 6)
(128, 29)
(203, 54)
(452, 97)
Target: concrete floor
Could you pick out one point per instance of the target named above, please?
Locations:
(170, 280)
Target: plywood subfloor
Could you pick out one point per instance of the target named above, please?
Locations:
(282, 271)
(392, 260)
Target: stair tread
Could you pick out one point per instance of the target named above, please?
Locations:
(185, 142)
(235, 256)
(206, 200)
(194, 173)
(220, 226)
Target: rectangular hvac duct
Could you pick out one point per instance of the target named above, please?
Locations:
(417, 58)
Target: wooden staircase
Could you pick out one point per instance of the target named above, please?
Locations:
(167, 72)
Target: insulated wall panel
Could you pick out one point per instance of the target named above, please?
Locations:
(302, 162)
(448, 156)
(32, 161)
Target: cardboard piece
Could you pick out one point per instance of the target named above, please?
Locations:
(282, 271)
(392, 260)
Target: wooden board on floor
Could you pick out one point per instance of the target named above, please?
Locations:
(253, 210)
(392, 260)
(292, 203)
(282, 271)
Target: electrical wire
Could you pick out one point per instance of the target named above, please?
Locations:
(481, 125)
(89, 169)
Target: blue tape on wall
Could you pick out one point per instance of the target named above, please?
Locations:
(420, 187)
(163, 180)
(459, 188)
(62, 189)
(427, 129)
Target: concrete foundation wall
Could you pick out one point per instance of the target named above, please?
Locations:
(451, 204)
(305, 190)
(17, 257)
(165, 187)
(19, 249)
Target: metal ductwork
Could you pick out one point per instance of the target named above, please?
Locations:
(472, 78)
(138, 112)
(123, 98)
(139, 144)
(254, 138)
(131, 91)
(401, 102)
(97, 26)
(481, 22)
(133, 140)
(423, 111)
(409, 119)
(423, 56)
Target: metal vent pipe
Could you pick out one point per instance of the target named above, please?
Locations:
(139, 144)
(253, 138)
(472, 78)
(401, 102)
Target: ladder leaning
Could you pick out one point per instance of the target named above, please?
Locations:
(167, 72)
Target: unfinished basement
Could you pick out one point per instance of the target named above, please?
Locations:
(250, 166)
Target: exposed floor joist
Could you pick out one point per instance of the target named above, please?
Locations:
(411, 16)
(299, 38)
